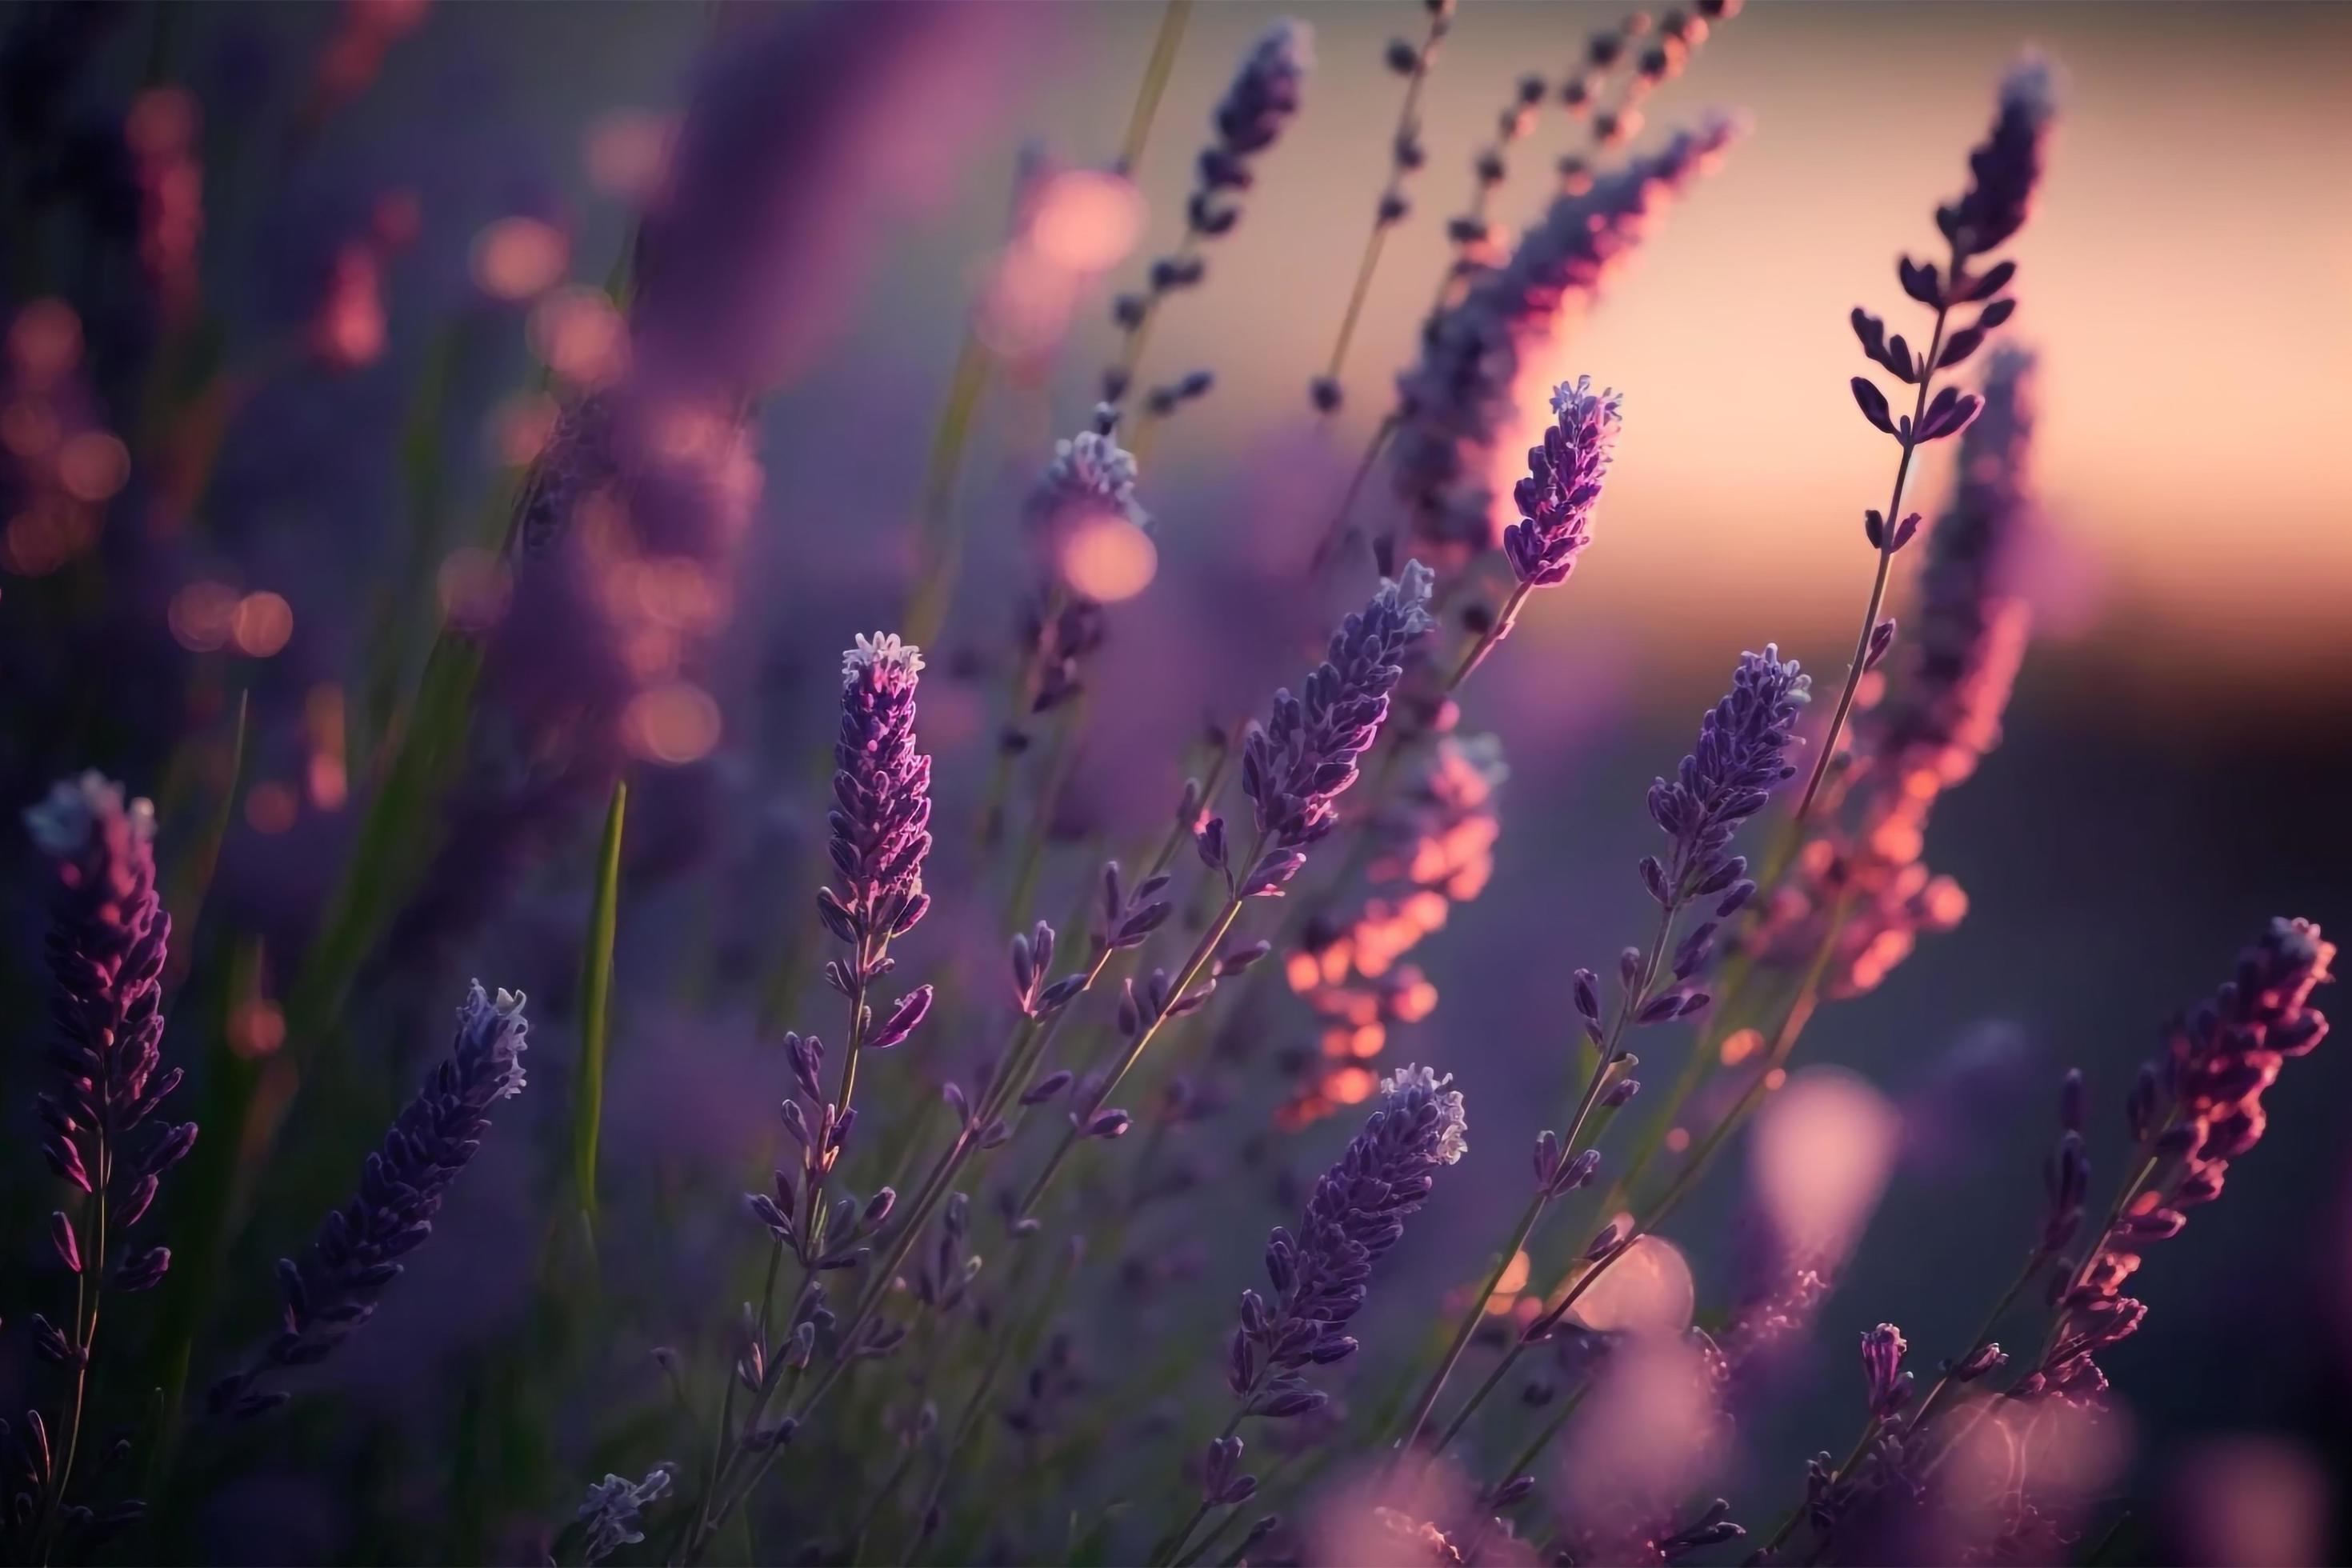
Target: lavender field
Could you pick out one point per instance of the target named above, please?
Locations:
(985, 781)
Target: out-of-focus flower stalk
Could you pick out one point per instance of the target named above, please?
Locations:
(1258, 104)
(938, 534)
(1405, 156)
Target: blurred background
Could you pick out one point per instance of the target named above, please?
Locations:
(318, 277)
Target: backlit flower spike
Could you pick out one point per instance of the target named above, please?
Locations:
(880, 821)
(1297, 763)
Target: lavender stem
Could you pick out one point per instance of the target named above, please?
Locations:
(1202, 952)
(1912, 441)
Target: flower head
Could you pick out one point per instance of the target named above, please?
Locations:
(1354, 1215)
(108, 937)
(1264, 96)
(1408, 1082)
(356, 1255)
(881, 789)
(2195, 1109)
(1563, 481)
(2006, 166)
(1296, 766)
(1091, 474)
(1889, 1386)
(613, 1515)
(898, 660)
(1741, 755)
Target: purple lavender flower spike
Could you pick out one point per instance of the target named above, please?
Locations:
(1563, 481)
(1354, 1215)
(2004, 170)
(356, 1254)
(2194, 1111)
(1741, 755)
(1264, 94)
(1883, 1350)
(613, 1515)
(882, 803)
(108, 936)
(1297, 765)
(1090, 475)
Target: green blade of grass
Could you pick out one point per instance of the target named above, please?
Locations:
(595, 1005)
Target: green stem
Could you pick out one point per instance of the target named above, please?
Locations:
(1472, 1316)
(1202, 952)
(1172, 18)
(1505, 620)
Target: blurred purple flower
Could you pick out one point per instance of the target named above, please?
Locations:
(1455, 402)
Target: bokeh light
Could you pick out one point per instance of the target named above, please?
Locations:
(674, 724)
(1109, 559)
(519, 258)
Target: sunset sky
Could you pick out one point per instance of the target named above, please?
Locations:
(2184, 281)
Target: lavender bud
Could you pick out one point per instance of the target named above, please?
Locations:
(1985, 1358)
(1889, 1386)
(1588, 995)
(903, 1018)
(62, 1237)
(1046, 1088)
(1882, 637)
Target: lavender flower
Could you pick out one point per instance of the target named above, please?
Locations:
(1354, 1215)
(1264, 96)
(2192, 1111)
(1564, 476)
(356, 1254)
(1742, 753)
(1889, 1389)
(1248, 120)
(108, 935)
(613, 1515)
(882, 806)
(2003, 172)
(1454, 402)
(1944, 701)
(1090, 476)
(1297, 765)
